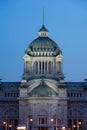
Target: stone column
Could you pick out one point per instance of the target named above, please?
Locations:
(47, 67)
(24, 67)
(51, 67)
(57, 67)
(61, 67)
(41, 67)
(54, 67)
(32, 67)
(38, 67)
(44, 67)
(35, 67)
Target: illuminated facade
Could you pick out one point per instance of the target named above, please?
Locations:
(43, 100)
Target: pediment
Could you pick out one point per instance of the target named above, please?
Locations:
(35, 83)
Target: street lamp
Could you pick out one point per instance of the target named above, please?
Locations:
(74, 126)
(29, 122)
(79, 122)
(5, 124)
(10, 126)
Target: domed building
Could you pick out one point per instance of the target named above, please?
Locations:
(43, 58)
(43, 100)
(43, 96)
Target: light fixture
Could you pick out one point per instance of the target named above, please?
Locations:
(74, 126)
(21, 128)
(31, 119)
(51, 119)
(4, 122)
(10, 126)
(63, 127)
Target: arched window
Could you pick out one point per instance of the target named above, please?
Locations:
(11, 117)
(75, 119)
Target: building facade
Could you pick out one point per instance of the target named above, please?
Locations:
(43, 100)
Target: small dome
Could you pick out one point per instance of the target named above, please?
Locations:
(43, 44)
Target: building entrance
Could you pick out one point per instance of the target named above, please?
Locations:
(42, 128)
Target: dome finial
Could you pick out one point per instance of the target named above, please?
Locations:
(43, 32)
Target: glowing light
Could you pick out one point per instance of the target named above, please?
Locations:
(21, 127)
(80, 122)
(51, 119)
(4, 123)
(63, 127)
(10, 126)
(74, 126)
(30, 119)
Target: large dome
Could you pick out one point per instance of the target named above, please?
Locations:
(43, 44)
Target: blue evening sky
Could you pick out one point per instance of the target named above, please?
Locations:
(66, 21)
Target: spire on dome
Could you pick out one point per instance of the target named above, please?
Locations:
(43, 16)
(43, 32)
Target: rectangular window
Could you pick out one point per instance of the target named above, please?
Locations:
(80, 94)
(42, 120)
(70, 122)
(5, 94)
(68, 94)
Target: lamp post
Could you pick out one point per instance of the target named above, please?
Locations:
(10, 126)
(79, 124)
(52, 122)
(29, 122)
(74, 126)
(5, 124)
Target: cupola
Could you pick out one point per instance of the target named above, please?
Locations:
(43, 32)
